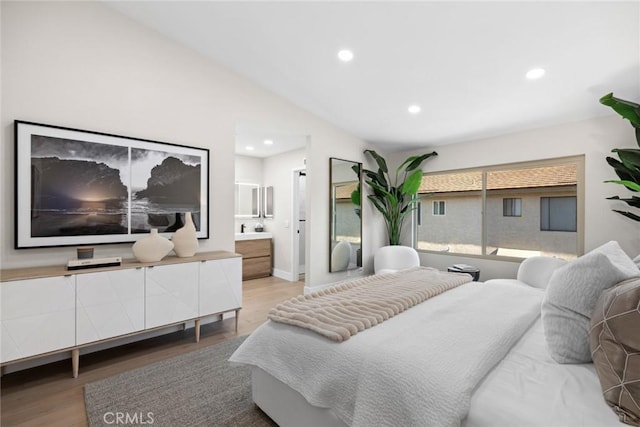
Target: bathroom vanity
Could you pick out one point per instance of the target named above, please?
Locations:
(256, 251)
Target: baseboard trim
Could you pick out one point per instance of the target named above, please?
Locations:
(281, 274)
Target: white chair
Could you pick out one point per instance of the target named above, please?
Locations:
(340, 256)
(389, 259)
(534, 271)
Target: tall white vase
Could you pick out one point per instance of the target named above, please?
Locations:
(152, 248)
(185, 242)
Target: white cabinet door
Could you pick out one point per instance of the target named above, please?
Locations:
(38, 316)
(171, 293)
(220, 285)
(109, 304)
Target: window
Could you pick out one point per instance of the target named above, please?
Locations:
(482, 206)
(558, 214)
(512, 207)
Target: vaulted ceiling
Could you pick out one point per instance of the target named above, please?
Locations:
(462, 63)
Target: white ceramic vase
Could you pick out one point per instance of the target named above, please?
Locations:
(152, 248)
(185, 242)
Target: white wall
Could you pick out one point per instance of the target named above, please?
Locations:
(83, 65)
(593, 138)
(248, 169)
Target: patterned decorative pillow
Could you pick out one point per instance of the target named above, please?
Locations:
(615, 348)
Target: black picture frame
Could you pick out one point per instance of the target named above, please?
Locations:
(77, 187)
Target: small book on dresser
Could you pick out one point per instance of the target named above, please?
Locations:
(79, 264)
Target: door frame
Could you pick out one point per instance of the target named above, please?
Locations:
(295, 219)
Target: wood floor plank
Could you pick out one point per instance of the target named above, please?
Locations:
(48, 395)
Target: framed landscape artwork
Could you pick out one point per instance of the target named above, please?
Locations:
(77, 187)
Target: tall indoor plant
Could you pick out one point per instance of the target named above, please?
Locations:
(628, 166)
(394, 198)
(356, 194)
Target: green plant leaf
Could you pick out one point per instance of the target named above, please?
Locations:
(412, 183)
(382, 164)
(628, 215)
(376, 177)
(408, 209)
(627, 109)
(416, 161)
(379, 206)
(629, 184)
(623, 172)
(633, 201)
(630, 158)
(409, 159)
(355, 196)
(381, 189)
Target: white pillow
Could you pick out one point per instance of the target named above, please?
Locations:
(637, 261)
(571, 297)
(340, 256)
(536, 271)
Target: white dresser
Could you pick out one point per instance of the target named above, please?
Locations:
(46, 310)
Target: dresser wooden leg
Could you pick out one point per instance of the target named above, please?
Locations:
(196, 326)
(237, 320)
(75, 361)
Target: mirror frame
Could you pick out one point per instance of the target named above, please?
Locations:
(267, 201)
(255, 208)
(333, 212)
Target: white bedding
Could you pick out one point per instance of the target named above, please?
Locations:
(418, 368)
(528, 388)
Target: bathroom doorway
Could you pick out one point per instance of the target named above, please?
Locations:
(299, 222)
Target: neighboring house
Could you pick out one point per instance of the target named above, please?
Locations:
(531, 211)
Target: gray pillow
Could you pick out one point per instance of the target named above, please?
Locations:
(571, 296)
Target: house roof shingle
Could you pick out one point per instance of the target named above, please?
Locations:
(546, 176)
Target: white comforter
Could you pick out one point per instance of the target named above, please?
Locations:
(418, 368)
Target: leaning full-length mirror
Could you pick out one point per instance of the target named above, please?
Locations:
(345, 245)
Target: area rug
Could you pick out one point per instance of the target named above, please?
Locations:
(199, 388)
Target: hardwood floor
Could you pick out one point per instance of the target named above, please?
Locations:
(48, 395)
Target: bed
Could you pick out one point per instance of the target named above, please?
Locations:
(475, 356)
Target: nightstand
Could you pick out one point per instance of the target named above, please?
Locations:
(464, 268)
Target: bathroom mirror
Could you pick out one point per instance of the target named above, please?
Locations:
(345, 245)
(267, 200)
(247, 200)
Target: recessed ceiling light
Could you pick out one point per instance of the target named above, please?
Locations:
(268, 142)
(414, 109)
(249, 148)
(345, 55)
(535, 73)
